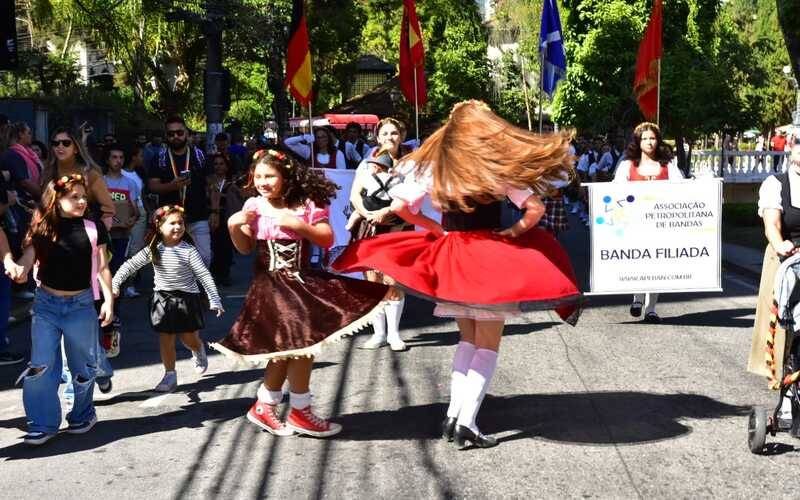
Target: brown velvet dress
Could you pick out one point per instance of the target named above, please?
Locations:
(292, 310)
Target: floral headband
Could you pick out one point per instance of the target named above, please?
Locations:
(63, 182)
(278, 155)
(165, 211)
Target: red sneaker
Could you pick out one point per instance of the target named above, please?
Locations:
(266, 416)
(305, 422)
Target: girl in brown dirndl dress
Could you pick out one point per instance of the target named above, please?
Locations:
(291, 310)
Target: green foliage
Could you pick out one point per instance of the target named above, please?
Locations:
(455, 47)
(712, 78)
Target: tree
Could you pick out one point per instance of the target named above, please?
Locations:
(707, 68)
(455, 47)
(790, 26)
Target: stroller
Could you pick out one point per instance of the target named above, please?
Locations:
(760, 422)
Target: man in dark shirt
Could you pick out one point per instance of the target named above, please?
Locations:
(177, 174)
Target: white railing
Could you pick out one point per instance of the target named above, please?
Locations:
(737, 166)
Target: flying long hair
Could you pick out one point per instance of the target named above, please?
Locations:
(300, 183)
(477, 155)
(43, 231)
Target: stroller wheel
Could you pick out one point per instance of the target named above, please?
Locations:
(757, 430)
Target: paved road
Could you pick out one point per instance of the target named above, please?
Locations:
(612, 408)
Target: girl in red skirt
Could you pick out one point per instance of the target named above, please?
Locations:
(291, 310)
(477, 272)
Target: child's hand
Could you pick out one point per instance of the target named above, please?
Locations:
(220, 311)
(106, 315)
(16, 272)
(250, 216)
(289, 221)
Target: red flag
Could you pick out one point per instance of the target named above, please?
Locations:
(298, 56)
(646, 81)
(412, 56)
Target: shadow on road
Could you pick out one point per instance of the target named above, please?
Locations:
(619, 418)
(105, 432)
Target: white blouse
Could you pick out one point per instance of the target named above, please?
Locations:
(769, 194)
(300, 145)
(624, 168)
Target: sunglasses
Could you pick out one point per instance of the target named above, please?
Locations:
(64, 143)
(176, 133)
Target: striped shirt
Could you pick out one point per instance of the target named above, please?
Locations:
(180, 269)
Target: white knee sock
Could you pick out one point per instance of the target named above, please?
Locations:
(650, 301)
(477, 381)
(379, 326)
(394, 310)
(300, 401)
(461, 362)
(269, 397)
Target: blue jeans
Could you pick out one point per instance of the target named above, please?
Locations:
(5, 310)
(75, 319)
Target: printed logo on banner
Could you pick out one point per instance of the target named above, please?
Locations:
(655, 237)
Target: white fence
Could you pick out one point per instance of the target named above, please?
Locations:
(738, 166)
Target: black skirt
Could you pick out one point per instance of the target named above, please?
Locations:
(176, 312)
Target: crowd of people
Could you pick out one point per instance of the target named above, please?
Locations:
(86, 228)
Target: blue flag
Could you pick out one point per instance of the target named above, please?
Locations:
(551, 46)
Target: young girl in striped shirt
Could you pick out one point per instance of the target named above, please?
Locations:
(175, 307)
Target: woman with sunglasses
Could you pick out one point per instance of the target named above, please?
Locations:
(69, 156)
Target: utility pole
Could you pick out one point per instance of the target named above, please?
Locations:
(216, 79)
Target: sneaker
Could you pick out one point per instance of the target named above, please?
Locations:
(38, 438)
(266, 416)
(305, 422)
(82, 427)
(131, 293)
(200, 359)
(113, 344)
(168, 383)
(10, 358)
(374, 343)
(104, 384)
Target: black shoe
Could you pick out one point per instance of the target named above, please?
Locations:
(105, 385)
(10, 358)
(463, 435)
(448, 425)
(636, 309)
(652, 318)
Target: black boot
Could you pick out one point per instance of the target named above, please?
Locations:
(448, 426)
(463, 435)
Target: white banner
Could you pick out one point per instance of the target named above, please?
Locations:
(657, 236)
(340, 205)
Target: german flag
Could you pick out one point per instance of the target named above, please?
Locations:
(412, 56)
(298, 56)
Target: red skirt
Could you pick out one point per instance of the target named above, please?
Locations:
(474, 268)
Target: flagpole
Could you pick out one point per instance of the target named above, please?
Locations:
(541, 86)
(525, 91)
(311, 131)
(416, 105)
(658, 94)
